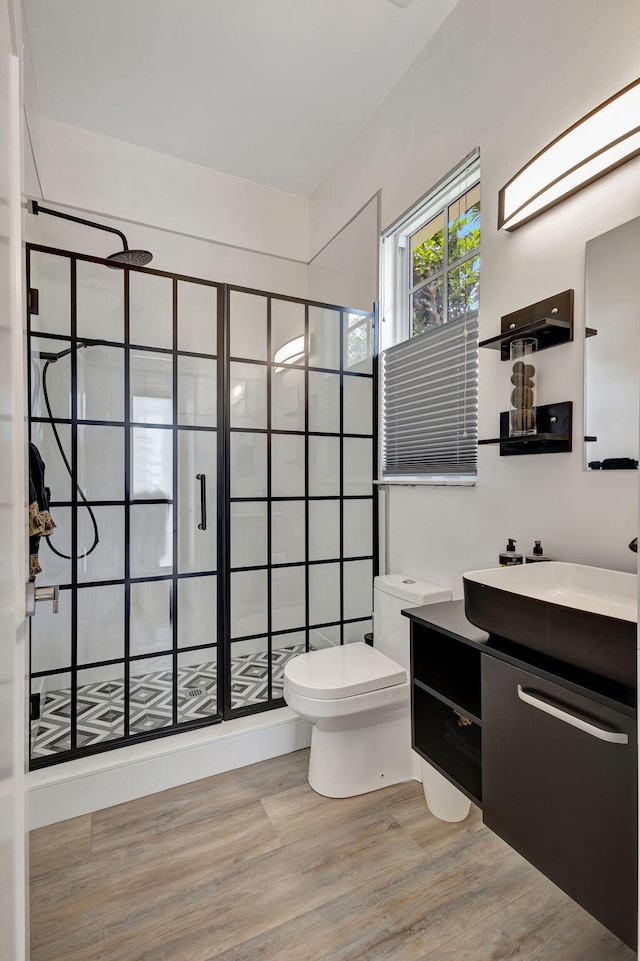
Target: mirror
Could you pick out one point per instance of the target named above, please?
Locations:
(612, 349)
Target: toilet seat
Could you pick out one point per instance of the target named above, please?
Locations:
(340, 672)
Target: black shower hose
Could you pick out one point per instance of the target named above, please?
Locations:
(96, 536)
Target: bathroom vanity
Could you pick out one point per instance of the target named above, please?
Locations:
(546, 749)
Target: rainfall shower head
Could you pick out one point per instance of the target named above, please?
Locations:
(124, 257)
(132, 258)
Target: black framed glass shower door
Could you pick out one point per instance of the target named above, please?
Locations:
(123, 386)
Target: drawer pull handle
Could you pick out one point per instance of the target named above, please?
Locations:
(613, 737)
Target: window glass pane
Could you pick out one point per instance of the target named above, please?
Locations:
(464, 224)
(427, 250)
(427, 307)
(464, 288)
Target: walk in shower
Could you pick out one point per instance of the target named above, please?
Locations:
(215, 512)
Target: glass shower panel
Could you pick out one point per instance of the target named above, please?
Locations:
(105, 561)
(324, 593)
(248, 331)
(101, 623)
(248, 457)
(197, 317)
(50, 275)
(51, 636)
(249, 536)
(151, 387)
(150, 694)
(324, 530)
(56, 474)
(358, 527)
(324, 402)
(324, 466)
(287, 332)
(151, 463)
(287, 532)
(197, 685)
(249, 604)
(288, 596)
(150, 540)
(100, 301)
(197, 505)
(287, 465)
(197, 611)
(100, 700)
(100, 373)
(324, 338)
(55, 569)
(287, 399)
(56, 378)
(100, 462)
(357, 589)
(248, 396)
(150, 310)
(197, 392)
(358, 405)
(357, 466)
(151, 617)
(249, 672)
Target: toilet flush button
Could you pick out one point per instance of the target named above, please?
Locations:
(408, 580)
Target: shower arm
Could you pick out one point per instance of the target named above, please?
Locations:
(34, 208)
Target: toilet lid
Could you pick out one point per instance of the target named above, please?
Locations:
(342, 672)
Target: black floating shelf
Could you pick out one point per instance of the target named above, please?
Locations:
(548, 332)
(550, 321)
(554, 437)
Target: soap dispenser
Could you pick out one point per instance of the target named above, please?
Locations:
(537, 554)
(509, 557)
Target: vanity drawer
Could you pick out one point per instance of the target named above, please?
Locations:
(559, 784)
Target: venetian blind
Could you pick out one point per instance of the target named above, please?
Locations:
(430, 404)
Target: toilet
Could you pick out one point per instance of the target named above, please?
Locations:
(358, 701)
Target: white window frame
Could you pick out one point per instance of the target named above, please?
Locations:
(396, 277)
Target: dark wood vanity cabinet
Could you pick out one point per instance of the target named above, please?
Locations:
(550, 756)
(559, 785)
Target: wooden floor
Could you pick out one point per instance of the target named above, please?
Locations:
(253, 866)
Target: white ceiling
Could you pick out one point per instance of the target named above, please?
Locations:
(270, 90)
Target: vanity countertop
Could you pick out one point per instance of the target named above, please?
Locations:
(448, 618)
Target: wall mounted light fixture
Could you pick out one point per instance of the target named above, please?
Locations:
(604, 139)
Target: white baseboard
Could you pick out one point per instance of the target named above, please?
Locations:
(89, 784)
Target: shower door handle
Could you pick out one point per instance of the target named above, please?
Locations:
(202, 526)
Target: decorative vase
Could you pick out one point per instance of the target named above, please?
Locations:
(522, 409)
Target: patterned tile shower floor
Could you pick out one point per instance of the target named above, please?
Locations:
(101, 705)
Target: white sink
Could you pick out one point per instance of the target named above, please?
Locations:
(584, 616)
(593, 589)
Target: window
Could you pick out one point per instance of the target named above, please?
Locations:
(431, 273)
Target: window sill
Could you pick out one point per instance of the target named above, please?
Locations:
(427, 482)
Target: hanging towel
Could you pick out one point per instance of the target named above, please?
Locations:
(40, 522)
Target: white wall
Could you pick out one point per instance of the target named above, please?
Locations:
(506, 76)
(12, 514)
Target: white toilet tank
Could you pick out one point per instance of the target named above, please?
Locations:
(392, 594)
